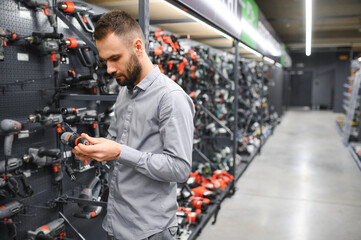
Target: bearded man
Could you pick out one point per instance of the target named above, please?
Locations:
(150, 138)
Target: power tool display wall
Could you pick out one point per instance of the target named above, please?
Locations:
(207, 75)
(349, 124)
(40, 67)
(45, 64)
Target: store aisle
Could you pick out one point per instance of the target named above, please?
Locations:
(304, 186)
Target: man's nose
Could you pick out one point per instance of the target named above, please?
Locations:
(111, 68)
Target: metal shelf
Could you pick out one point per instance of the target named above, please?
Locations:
(355, 156)
(351, 78)
(347, 94)
(210, 212)
(85, 97)
(240, 169)
(347, 102)
(345, 107)
(339, 128)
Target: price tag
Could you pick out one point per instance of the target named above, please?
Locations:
(67, 154)
(23, 57)
(23, 134)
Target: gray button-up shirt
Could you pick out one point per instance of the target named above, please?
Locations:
(154, 121)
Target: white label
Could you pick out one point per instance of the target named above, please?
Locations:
(23, 134)
(25, 14)
(67, 154)
(23, 57)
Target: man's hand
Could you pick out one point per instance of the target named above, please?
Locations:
(101, 149)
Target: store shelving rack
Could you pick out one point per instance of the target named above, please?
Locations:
(351, 105)
(353, 102)
(238, 169)
(144, 21)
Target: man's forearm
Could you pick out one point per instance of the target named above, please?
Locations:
(161, 167)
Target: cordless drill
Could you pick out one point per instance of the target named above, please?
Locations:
(50, 231)
(5, 36)
(199, 203)
(42, 157)
(188, 216)
(47, 117)
(6, 212)
(10, 209)
(13, 164)
(49, 43)
(222, 174)
(73, 139)
(204, 192)
(82, 50)
(84, 81)
(10, 128)
(45, 6)
(91, 193)
(81, 11)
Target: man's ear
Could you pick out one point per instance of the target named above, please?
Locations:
(138, 45)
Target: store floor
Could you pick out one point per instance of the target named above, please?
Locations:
(304, 186)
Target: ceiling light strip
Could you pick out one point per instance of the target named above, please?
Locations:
(308, 27)
(249, 49)
(199, 21)
(278, 65)
(270, 61)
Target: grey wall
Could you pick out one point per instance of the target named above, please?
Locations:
(301, 89)
(286, 95)
(323, 87)
(329, 75)
(276, 89)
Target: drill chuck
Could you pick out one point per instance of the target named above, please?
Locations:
(27, 158)
(73, 139)
(62, 6)
(33, 118)
(73, 7)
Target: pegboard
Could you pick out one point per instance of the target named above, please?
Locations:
(18, 101)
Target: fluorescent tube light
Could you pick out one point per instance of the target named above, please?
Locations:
(270, 61)
(200, 21)
(260, 39)
(249, 49)
(278, 65)
(308, 27)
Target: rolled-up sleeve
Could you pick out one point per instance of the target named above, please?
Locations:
(176, 112)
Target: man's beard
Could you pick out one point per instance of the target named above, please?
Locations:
(133, 71)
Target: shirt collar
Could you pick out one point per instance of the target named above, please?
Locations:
(149, 79)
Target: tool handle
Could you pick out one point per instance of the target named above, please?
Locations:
(85, 22)
(55, 153)
(8, 144)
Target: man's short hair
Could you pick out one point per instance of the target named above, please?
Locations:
(119, 22)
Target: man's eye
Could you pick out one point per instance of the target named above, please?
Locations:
(114, 59)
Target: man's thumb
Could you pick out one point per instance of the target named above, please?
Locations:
(90, 139)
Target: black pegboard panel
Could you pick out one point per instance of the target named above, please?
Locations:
(19, 101)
